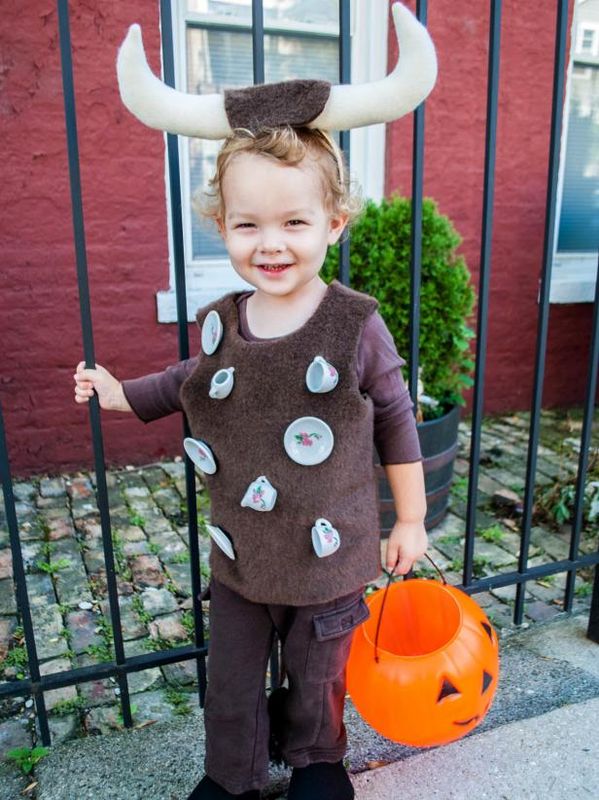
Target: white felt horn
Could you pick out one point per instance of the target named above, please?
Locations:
(159, 106)
(352, 106)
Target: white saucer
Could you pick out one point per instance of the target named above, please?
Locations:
(304, 430)
(212, 332)
(222, 540)
(200, 454)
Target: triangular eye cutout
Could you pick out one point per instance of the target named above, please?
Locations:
(446, 690)
(488, 630)
(487, 680)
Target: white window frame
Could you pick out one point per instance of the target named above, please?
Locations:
(369, 63)
(573, 275)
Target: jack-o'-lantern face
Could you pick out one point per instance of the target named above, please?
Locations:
(438, 664)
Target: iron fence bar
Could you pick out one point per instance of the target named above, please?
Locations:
(583, 456)
(593, 627)
(176, 213)
(484, 281)
(107, 669)
(22, 595)
(88, 349)
(416, 234)
(533, 573)
(344, 136)
(258, 40)
(542, 325)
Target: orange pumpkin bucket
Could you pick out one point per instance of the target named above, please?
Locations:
(429, 674)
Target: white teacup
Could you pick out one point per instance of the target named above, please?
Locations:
(325, 538)
(200, 454)
(222, 540)
(261, 495)
(321, 376)
(222, 383)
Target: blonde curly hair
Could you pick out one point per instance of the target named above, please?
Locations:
(288, 146)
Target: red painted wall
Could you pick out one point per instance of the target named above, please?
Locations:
(122, 175)
(454, 174)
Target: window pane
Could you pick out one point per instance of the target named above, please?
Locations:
(312, 12)
(579, 219)
(219, 60)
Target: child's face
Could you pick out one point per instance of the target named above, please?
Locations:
(275, 217)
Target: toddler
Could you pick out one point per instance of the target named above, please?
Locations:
(280, 198)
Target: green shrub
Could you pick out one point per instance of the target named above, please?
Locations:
(380, 266)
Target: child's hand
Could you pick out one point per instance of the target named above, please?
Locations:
(409, 541)
(110, 392)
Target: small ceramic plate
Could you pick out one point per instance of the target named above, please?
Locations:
(308, 441)
(222, 540)
(212, 332)
(200, 454)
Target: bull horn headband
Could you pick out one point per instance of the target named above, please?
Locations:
(314, 104)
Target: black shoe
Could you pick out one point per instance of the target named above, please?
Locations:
(207, 789)
(320, 781)
(276, 705)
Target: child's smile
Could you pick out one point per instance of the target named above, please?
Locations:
(276, 227)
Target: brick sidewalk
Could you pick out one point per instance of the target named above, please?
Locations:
(62, 551)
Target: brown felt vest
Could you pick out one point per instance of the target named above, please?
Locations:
(275, 560)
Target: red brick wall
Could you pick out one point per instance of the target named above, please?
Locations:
(122, 175)
(454, 173)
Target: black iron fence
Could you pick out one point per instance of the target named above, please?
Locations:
(36, 684)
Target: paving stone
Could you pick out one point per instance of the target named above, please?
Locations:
(24, 511)
(52, 487)
(493, 553)
(40, 589)
(147, 571)
(169, 628)
(95, 692)
(131, 492)
(7, 627)
(182, 673)
(103, 720)
(63, 728)
(56, 696)
(168, 499)
(140, 548)
(48, 628)
(24, 490)
(89, 527)
(146, 679)
(153, 706)
(80, 488)
(84, 629)
(550, 543)
(5, 563)
(82, 509)
(539, 611)
(8, 603)
(93, 558)
(14, 733)
(170, 544)
(176, 469)
(72, 585)
(157, 523)
(60, 528)
(131, 533)
(131, 625)
(158, 601)
(180, 576)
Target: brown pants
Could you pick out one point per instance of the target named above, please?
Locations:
(315, 642)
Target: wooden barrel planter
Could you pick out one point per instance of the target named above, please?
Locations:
(439, 445)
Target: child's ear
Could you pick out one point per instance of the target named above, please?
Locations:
(337, 225)
(220, 226)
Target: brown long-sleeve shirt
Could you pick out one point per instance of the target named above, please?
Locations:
(379, 375)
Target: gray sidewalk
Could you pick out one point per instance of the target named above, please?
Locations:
(539, 740)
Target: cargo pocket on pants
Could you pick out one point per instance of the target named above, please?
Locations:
(329, 647)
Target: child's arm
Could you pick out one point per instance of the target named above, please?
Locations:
(408, 539)
(109, 390)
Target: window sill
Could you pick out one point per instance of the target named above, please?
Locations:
(573, 278)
